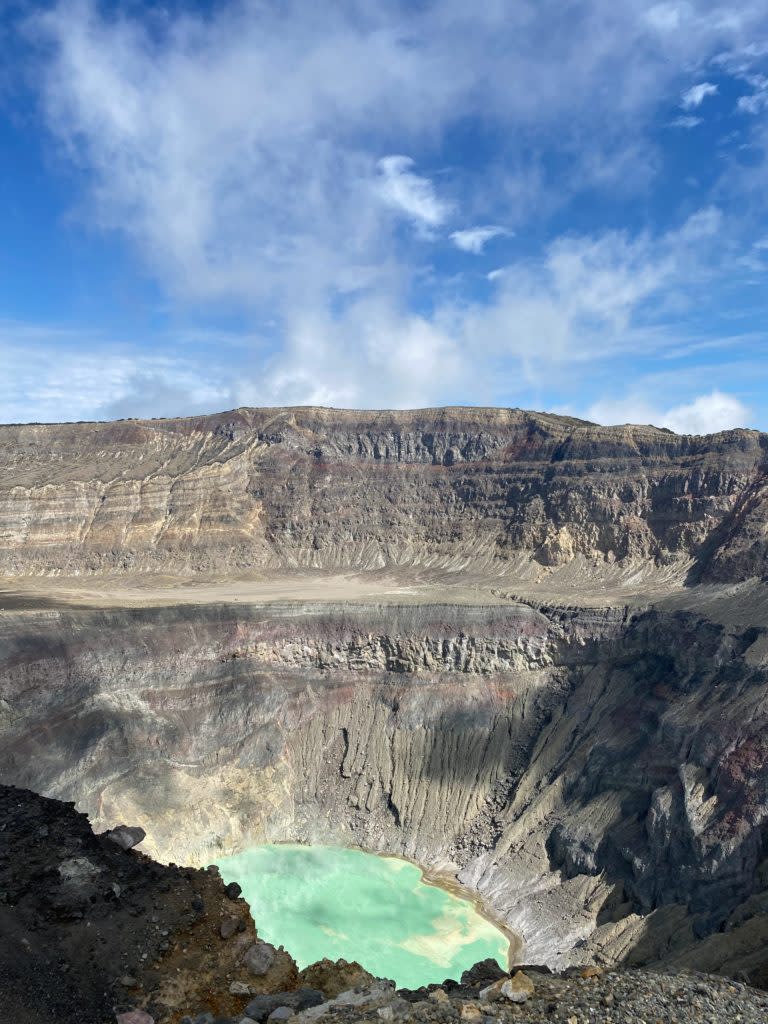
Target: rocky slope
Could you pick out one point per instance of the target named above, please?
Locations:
(89, 929)
(492, 488)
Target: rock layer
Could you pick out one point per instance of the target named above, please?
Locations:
(454, 488)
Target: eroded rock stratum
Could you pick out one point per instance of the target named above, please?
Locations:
(453, 488)
(519, 648)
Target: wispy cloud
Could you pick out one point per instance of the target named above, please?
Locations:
(705, 414)
(409, 193)
(696, 95)
(473, 239)
(686, 122)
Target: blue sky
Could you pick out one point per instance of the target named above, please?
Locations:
(369, 204)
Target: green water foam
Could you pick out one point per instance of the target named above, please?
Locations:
(326, 901)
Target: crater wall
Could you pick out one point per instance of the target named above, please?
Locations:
(598, 776)
(495, 489)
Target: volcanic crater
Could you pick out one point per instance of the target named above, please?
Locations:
(526, 652)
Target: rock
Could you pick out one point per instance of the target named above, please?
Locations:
(134, 1017)
(127, 836)
(491, 993)
(518, 989)
(439, 995)
(333, 977)
(239, 988)
(78, 871)
(483, 973)
(281, 1013)
(259, 957)
(470, 1012)
(591, 972)
(305, 997)
(197, 904)
(233, 890)
(262, 1006)
(229, 926)
(532, 968)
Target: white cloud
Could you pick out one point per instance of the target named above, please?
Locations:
(409, 193)
(473, 239)
(755, 103)
(665, 17)
(696, 95)
(704, 223)
(61, 374)
(706, 414)
(240, 154)
(239, 150)
(686, 122)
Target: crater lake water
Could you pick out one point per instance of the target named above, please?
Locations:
(328, 901)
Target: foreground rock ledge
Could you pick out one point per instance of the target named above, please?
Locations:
(91, 933)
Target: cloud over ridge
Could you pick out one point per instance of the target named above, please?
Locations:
(318, 171)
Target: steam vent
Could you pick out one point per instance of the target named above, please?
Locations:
(526, 653)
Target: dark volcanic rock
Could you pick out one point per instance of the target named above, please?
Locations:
(83, 922)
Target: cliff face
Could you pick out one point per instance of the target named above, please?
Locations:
(600, 777)
(453, 488)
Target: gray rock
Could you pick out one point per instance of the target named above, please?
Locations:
(260, 1008)
(127, 836)
(259, 957)
(239, 988)
(233, 890)
(134, 1017)
(78, 871)
(228, 927)
(305, 997)
(281, 1013)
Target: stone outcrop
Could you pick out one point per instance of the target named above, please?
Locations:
(495, 489)
(91, 931)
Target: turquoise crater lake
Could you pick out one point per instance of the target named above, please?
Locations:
(327, 901)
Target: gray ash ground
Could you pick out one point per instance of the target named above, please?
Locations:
(615, 997)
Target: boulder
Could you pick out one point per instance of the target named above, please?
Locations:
(127, 836)
(259, 957)
(518, 989)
